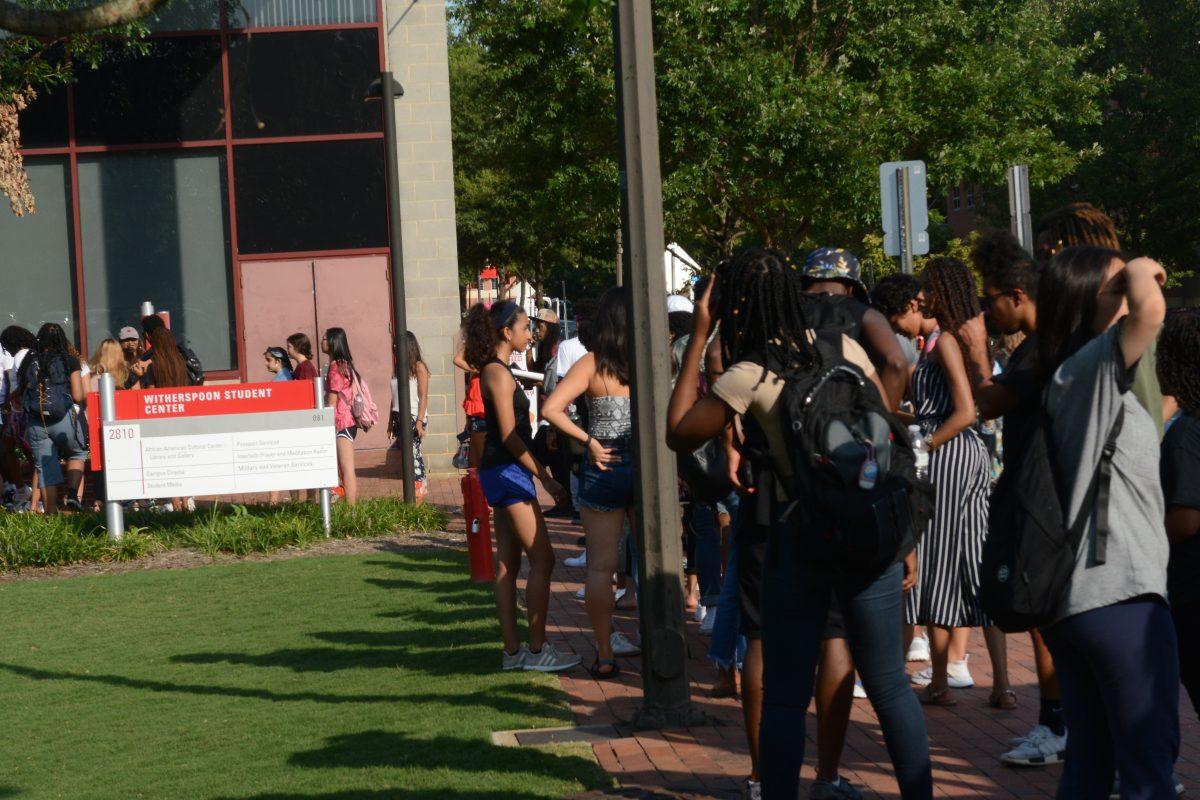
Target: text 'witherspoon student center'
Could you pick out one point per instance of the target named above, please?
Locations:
(234, 176)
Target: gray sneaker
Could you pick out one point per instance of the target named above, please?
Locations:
(514, 660)
(751, 790)
(550, 660)
(842, 790)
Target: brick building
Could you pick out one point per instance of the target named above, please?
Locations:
(234, 176)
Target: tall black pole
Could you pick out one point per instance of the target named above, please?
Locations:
(399, 315)
(666, 702)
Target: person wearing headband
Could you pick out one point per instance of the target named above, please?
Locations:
(278, 363)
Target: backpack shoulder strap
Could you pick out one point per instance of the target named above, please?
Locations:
(1103, 482)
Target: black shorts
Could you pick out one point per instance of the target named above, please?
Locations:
(751, 553)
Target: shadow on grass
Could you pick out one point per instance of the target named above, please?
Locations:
(388, 749)
(421, 562)
(9, 791)
(393, 794)
(191, 688)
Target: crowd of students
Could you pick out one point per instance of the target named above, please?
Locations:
(976, 375)
(45, 383)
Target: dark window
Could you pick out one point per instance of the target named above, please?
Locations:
(310, 82)
(44, 122)
(956, 198)
(186, 15)
(173, 93)
(155, 226)
(310, 196)
(280, 13)
(971, 197)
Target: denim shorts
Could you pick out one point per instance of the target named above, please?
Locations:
(65, 439)
(611, 489)
(507, 485)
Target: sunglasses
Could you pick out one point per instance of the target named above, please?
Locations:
(988, 300)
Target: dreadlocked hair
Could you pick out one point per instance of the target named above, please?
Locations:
(1179, 358)
(950, 289)
(49, 345)
(1004, 264)
(760, 308)
(1073, 225)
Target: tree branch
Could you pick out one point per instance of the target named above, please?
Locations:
(19, 19)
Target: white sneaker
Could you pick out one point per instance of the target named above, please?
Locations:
(859, 692)
(1040, 747)
(550, 660)
(918, 650)
(709, 622)
(511, 661)
(621, 646)
(701, 612)
(620, 593)
(576, 561)
(581, 593)
(751, 790)
(957, 674)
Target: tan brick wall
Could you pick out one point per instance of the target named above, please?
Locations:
(417, 56)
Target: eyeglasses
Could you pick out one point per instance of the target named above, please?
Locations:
(988, 300)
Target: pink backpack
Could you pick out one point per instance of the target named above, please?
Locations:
(365, 412)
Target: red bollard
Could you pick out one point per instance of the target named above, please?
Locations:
(479, 529)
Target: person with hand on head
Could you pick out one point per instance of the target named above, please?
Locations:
(606, 492)
(339, 382)
(1112, 637)
(765, 335)
(506, 473)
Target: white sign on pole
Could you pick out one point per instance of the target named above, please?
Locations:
(220, 454)
(915, 212)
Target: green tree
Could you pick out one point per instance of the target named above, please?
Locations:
(1147, 170)
(774, 116)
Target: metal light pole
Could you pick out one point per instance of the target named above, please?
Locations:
(666, 702)
(386, 88)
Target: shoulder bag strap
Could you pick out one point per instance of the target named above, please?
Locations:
(1103, 481)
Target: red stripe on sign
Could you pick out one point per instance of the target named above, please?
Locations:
(199, 401)
(207, 401)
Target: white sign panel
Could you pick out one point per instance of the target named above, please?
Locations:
(224, 454)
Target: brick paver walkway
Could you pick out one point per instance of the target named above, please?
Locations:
(712, 760)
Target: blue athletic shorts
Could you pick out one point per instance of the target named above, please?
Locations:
(507, 485)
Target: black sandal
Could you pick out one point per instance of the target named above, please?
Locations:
(604, 675)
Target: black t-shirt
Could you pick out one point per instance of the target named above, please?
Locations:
(1020, 377)
(836, 312)
(1180, 472)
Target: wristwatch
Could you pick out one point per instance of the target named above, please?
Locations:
(928, 440)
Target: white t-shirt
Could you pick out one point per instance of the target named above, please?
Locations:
(569, 352)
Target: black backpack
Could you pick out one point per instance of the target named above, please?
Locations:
(1031, 546)
(47, 398)
(855, 471)
(194, 369)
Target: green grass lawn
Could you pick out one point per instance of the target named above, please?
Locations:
(349, 677)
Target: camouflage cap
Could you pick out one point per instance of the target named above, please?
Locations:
(834, 264)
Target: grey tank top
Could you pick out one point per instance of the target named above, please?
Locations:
(609, 417)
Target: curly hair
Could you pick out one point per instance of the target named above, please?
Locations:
(760, 308)
(950, 289)
(481, 330)
(1004, 264)
(1179, 358)
(1074, 225)
(894, 294)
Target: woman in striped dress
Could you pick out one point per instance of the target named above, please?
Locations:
(946, 597)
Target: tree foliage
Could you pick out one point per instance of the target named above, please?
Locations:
(1147, 170)
(774, 116)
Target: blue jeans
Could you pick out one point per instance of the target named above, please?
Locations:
(64, 439)
(796, 598)
(704, 550)
(728, 646)
(609, 489)
(1120, 682)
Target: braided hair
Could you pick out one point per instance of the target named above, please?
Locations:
(950, 289)
(50, 344)
(760, 308)
(1179, 359)
(1073, 225)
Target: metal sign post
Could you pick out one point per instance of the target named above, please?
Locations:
(114, 512)
(905, 211)
(666, 697)
(326, 501)
(1020, 215)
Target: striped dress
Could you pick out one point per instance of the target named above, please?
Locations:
(948, 555)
